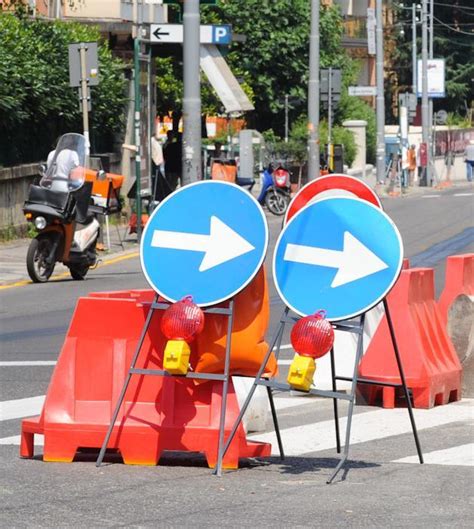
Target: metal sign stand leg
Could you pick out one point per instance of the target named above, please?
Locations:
(403, 380)
(277, 337)
(225, 377)
(336, 410)
(225, 389)
(359, 351)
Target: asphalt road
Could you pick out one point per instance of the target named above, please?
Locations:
(378, 490)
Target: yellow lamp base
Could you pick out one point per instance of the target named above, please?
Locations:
(176, 357)
(300, 375)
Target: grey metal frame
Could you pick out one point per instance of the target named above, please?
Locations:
(355, 328)
(227, 311)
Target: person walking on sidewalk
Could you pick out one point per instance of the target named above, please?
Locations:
(469, 159)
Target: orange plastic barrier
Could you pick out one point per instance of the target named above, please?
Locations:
(158, 413)
(459, 279)
(431, 366)
(223, 170)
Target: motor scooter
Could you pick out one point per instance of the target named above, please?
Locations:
(59, 209)
(275, 192)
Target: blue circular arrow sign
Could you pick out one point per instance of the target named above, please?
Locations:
(207, 240)
(339, 254)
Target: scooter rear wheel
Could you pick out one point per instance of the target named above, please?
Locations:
(36, 259)
(277, 201)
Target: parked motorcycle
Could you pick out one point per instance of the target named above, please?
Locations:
(59, 209)
(275, 193)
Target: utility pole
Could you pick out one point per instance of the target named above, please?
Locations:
(430, 100)
(413, 47)
(425, 117)
(286, 118)
(313, 94)
(380, 102)
(192, 94)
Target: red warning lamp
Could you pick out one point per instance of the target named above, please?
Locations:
(183, 320)
(180, 323)
(312, 335)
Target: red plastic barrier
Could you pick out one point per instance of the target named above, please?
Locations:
(430, 363)
(158, 413)
(459, 279)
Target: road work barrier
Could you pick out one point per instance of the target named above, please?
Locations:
(432, 368)
(158, 413)
(459, 279)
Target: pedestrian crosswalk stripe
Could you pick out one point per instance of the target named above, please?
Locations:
(28, 363)
(366, 426)
(19, 408)
(462, 455)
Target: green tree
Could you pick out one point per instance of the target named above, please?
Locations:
(453, 41)
(275, 54)
(36, 102)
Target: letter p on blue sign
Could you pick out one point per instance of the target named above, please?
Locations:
(221, 34)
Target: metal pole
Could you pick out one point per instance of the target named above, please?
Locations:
(286, 118)
(425, 117)
(192, 94)
(380, 162)
(138, 169)
(413, 49)
(313, 94)
(85, 96)
(330, 152)
(430, 100)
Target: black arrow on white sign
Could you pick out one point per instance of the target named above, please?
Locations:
(158, 33)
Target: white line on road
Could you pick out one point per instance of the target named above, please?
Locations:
(431, 196)
(28, 363)
(462, 455)
(19, 408)
(463, 194)
(366, 426)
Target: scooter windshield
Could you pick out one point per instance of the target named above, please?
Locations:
(65, 170)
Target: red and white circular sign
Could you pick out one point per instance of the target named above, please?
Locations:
(329, 186)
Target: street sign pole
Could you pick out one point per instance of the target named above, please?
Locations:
(380, 108)
(330, 151)
(313, 94)
(286, 118)
(425, 118)
(192, 94)
(84, 98)
(138, 168)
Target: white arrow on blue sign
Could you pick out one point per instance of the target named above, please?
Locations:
(339, 254)
(207, 240)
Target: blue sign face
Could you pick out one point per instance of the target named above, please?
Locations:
(207, 240)
(339, 254)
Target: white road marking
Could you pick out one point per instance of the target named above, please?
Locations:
(19, 408)
(284, 403)
(284, 362)
(462, 455)
(366, 427)
(463, 194)
(15, 440)
(28, 363)
(431, 196)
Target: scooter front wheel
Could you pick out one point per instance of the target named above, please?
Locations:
(39, 269)
(277, 201)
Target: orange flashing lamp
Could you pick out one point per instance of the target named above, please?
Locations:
(181, 323)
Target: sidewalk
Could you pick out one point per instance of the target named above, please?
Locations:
(13, 262)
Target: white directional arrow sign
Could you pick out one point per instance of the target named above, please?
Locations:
(355, 261)
(221, 245)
